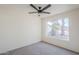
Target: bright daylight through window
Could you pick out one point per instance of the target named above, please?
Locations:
(58, 28)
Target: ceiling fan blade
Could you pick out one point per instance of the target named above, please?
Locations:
(46, 7)
(46, 12)
(32, 12)
(33, 6)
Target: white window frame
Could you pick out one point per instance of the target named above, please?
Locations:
(55, 36)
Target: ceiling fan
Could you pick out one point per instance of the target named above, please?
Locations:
(40, 9)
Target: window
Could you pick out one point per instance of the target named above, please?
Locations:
(59, 28)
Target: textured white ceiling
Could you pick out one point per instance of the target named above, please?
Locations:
(54, 9)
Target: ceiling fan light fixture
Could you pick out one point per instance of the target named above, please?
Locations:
(40, 9)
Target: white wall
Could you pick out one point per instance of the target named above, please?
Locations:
(73, 43)
(17, 27)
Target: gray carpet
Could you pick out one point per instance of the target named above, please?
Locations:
(40, 48)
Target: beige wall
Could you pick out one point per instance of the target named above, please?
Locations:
(73, 43)
(17, 27)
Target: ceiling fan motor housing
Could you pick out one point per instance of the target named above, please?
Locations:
(39, 8)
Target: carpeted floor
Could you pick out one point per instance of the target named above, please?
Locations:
(40, 48)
